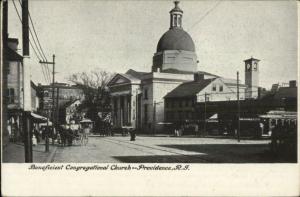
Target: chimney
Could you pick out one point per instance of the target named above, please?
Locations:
(275, 87)
(293, 84)
(198, 77)
(13, 43)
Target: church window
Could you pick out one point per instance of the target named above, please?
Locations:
(169, 117)
(187, 103)
(178, 20)
(221, 88)
(145, 113)
(180, 113)
(174, 20)
(168, 104)
(146, 94)
(46, 94)
(115, 105)
(214, 87)
(11, 95)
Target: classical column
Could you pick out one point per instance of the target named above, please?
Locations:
(129, 109)
(125, 108)
(119, 111)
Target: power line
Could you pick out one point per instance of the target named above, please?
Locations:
(37, 38)
(39, 46)
(36, 54)
(208, 12)
(201, 18)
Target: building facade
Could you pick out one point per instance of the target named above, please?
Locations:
(63, 94)
(145, 100)
(14, 92)
(181, 102)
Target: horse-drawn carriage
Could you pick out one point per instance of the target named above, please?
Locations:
(75, 134)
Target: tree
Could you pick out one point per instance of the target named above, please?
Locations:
(93, 84)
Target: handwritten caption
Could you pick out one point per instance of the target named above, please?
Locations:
(109, 167)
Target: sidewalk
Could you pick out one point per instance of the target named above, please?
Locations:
(15, 153)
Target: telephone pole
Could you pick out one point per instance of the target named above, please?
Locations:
(205, 96)
(27, 121)
(53, 91)
(238, 107)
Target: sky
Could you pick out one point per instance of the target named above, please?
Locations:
(87, 35)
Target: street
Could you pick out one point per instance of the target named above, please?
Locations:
(165, 150)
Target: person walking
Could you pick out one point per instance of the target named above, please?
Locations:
(69, 135)
(85, 132)
(63, 136)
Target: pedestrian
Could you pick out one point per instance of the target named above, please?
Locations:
(63, 136)
(85, 133)
(69, 135)
(261, 125)
(196, 129)
(36, 134)
(132, 134)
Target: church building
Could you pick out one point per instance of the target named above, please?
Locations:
(138, 98)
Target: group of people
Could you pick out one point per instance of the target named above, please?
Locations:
(73, 133)
(284, 137)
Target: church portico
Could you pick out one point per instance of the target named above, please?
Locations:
(121, 109)
(124, 92)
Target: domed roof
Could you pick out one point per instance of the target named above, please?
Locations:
(176, 39)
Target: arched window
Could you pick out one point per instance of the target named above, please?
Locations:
(46, 94)
(174, 20)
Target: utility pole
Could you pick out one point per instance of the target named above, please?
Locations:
(205, 96)
(27, 122)
(4, 71)
(57, 105)
(238, 107)
(53, 91)
(57, 110)
(47, 134)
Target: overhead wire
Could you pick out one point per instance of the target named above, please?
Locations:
(39, 45)
(198, 21)
(38, 55)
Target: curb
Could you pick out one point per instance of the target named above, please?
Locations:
(49, 159)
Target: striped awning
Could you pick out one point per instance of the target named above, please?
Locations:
(38, 118)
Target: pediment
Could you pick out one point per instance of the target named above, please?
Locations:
(119, 79)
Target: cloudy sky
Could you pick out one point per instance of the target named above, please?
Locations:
(118, 35)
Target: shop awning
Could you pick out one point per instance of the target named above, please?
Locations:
(213, 118)
(280, 115)
(164, 123)
(38, 118)
(45, 123)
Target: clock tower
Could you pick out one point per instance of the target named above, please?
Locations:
(251, 78)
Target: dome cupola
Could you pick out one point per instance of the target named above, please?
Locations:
(176, 38)
(176, 48)
(176, 16)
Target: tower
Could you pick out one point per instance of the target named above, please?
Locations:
(176, 16)
(251, 78)
(176, 48)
